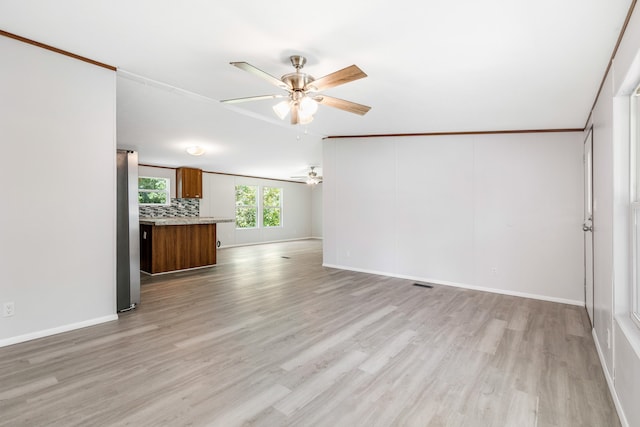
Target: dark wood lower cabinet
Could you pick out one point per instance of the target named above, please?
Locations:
(176, 247)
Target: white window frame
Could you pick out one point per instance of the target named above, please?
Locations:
(635, 205)
(265, 206)
(167, 190)
(256, 206)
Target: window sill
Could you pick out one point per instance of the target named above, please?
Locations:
(630, 331)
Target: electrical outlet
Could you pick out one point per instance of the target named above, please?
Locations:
(8, 309)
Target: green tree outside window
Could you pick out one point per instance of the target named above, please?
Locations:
(153, 191)
(272, 206)
(246, 206)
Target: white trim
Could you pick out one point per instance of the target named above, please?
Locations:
(634, 308)
(178, 271)
(462, 285)
(57, 330)
(630, 332)
(610, 382)
(634, 199)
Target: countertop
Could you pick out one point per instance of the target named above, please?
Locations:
(183, 221)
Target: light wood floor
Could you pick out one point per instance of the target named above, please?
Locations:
(269, 338)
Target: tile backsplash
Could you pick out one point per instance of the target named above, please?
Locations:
(178, 208)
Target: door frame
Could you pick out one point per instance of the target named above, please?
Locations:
(588, 222)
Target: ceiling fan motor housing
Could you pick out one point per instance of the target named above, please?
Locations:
(298, 61)
(297, 81)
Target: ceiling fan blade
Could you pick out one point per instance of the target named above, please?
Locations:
(349, 106)
(337, 78)
(262, 74)
(251, 98)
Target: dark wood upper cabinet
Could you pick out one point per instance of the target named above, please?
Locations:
(189, 183)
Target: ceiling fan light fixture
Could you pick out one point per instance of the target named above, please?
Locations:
(304, 119)
(282, 109)
(308, 106)
(194, 150)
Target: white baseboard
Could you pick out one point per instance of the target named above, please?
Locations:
(610, 382)
(462, 285)
(267, 242)
(177, 271)
(58, 330)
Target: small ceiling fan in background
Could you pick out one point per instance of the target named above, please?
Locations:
(311, 178)
(302, 99)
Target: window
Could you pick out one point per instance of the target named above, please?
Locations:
(635, 204)
(246, 206)
(271, 207)
(248, 210)
(153, 191)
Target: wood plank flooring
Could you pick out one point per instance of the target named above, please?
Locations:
(271, 338)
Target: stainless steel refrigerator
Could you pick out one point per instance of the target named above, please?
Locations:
(128, 237)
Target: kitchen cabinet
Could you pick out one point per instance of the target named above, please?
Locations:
(189, 182)
(172, 244)
(177, 247)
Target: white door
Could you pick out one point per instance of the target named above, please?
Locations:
(587, 226)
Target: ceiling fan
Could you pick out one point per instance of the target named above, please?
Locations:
(311, 178)
(302, 100)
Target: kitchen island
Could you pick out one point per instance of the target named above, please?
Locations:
(172, 244)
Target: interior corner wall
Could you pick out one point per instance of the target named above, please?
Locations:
(57, 227)
(316, 211)
(493, 212)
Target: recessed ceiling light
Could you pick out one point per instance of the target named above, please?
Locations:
(195, 150)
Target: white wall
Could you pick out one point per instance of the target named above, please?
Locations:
(493, 212)
(219, 201)
(57, 250)
(617, 338)
(316, 211)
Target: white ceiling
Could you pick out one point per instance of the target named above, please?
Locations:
(433, 66)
